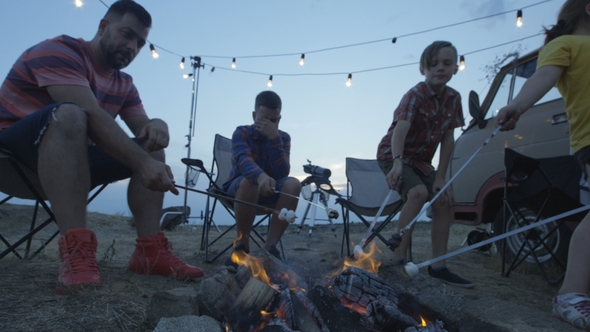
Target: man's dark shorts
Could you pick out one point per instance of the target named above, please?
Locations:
(411, 177)
(262, 200)
(23, 138)
(583, 157)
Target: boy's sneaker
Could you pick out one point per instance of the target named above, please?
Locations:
(78, 269)
(448, 277)
(230, 265)
(153, 255)
(574, 311)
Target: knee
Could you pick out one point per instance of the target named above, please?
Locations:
(247, 187)
(69, 117)
(418, 194)
(159, 155)
(292, 186)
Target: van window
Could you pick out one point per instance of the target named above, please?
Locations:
(522, 72)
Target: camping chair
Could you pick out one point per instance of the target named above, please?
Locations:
(17, 181)
(366, 190)
(222, 165)
(537, 189)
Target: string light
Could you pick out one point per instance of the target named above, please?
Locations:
(349, 80)
(233, 63)
(187, 75)
(462, 62)
(394, 40)
(519, 18)
(182, 63)
(78, 3)
(154, 53)
(302, 60)
(269, 84)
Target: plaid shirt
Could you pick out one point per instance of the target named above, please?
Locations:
(430, 116)
(253, 154)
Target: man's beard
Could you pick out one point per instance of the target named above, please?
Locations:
(112, 55)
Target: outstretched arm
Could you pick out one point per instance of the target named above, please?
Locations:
(532, 90)
(109, 136)
(398, 139)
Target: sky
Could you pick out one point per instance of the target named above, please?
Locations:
(327, 120)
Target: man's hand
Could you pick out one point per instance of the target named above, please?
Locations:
(266, 185)
(266, 127)
(507, 117)
(155, 135)
(157, 176)
(394, 176)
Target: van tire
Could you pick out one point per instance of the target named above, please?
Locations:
(558, 242)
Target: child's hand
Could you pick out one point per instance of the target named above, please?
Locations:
(267, 128)
(266, 185)
(507, 117)
(394, 176)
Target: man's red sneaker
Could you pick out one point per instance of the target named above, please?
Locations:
(153, 255)
(77, 250)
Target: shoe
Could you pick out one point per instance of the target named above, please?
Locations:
(448, 277)
(574, 311)
(78, 269)
(153, 255)
(231, 265)
(275, 252)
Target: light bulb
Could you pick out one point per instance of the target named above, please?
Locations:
(462, 62)
(302, 60)
(154, 53)
(233, 63)
(349, 80)
(269, 84)
(78, 3)
(182, 63)
(519, 18)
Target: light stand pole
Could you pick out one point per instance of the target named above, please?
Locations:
(196, 64)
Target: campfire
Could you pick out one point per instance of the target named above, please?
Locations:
(274, 298)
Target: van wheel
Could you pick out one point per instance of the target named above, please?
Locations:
(557, 242)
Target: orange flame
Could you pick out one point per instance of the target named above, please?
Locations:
(424, 322)
(255, 265)
(367, 260)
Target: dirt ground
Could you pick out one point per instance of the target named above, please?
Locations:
(28, 302)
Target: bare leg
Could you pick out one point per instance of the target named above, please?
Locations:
(440, 228)
(577, 275)
(245, 215)
(63, 166)
(277, 227)
(416, 198)
(145, 204)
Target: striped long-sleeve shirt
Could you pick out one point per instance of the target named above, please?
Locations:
(253, 154)
(63, 61)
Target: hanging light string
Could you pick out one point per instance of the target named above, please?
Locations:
(362, 43)
(370, 69)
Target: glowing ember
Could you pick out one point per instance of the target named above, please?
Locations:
(424, 322)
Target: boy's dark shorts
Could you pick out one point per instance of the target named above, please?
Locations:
(411, 177)
(263, 200)
(583, 157)
(22, 139)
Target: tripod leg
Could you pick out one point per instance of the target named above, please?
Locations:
(304, 216)
(313, 211)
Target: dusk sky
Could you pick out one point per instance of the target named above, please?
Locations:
(327, 120)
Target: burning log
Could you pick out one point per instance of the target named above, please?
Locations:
(381, 304)
(285, 310)
(246, 310)
(308, 309)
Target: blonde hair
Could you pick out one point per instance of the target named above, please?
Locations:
(432, 50)
(570, 15)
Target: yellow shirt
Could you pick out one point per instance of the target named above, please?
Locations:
(572, 52)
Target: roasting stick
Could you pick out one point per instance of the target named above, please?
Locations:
(442, 190)
(331, 212)
(358, 249)
(284, 214)
(411, 269)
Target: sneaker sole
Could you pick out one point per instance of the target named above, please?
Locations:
(468, 286)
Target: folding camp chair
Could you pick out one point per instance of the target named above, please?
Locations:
(537, 189)
(222, 166)
(17, 181)
(366, 189)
